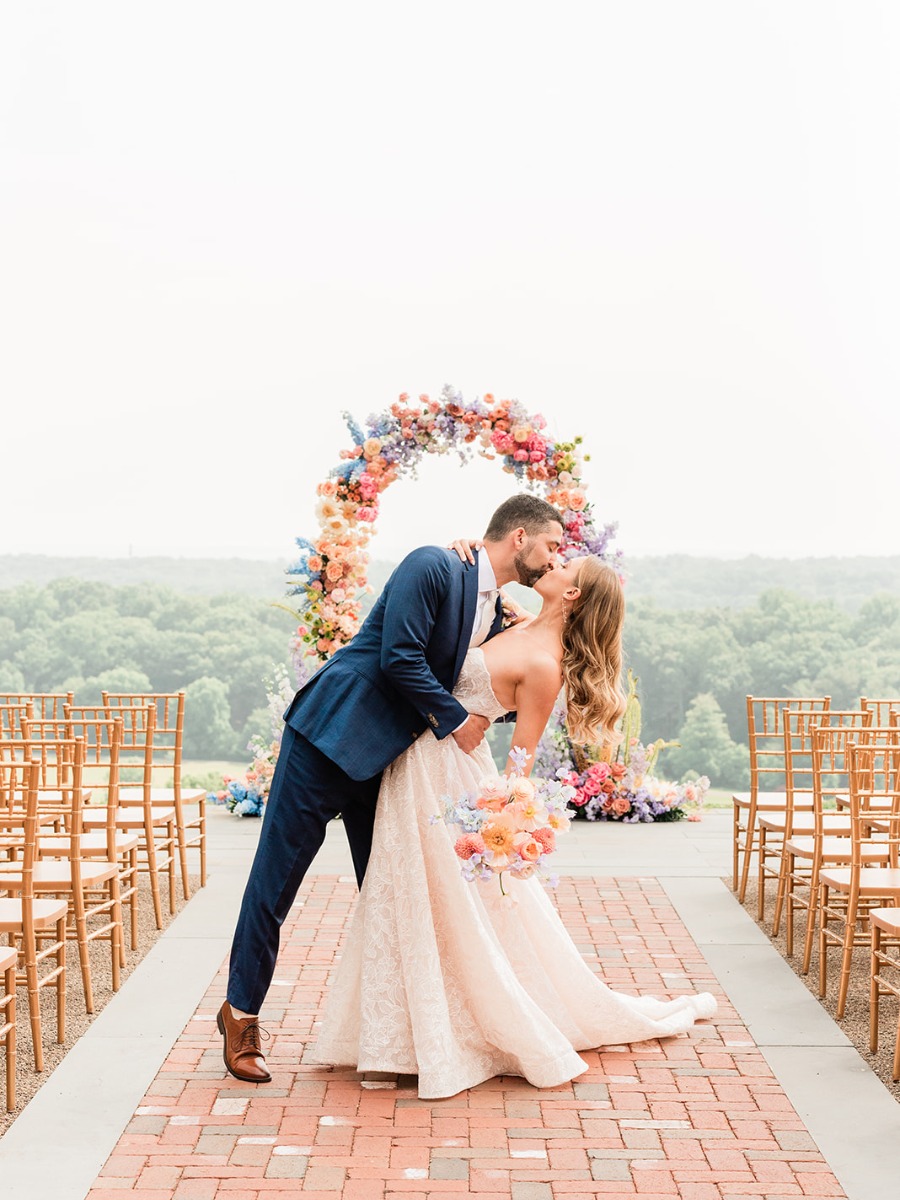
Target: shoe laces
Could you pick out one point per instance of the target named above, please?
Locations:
(251, 1036)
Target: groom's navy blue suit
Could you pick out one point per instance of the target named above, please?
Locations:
(361, 710)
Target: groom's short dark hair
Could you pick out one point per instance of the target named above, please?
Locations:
(521, 512)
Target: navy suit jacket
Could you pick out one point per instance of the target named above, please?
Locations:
(374, 696)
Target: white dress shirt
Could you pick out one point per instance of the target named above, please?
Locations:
(485, 609)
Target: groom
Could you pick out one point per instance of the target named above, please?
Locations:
(361, 710)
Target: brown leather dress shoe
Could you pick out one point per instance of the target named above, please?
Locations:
(241, 1051)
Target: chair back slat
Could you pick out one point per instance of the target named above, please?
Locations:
(12, 714)
(47, 705)
(881, 710)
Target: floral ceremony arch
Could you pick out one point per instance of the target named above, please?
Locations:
(329, 580)
(330, 574)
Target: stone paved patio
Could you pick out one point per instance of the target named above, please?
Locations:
(146, 1110)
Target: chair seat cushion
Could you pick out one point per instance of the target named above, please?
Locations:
(805, 822)
(887, 919)
(129, 818)
(834, 849)
(874, 881)
(46, 912)
(52, 874)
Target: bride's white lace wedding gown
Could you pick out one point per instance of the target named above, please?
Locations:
(441, 979)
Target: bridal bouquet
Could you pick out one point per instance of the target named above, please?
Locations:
(509, 823)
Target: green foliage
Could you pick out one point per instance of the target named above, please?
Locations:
(705, 743)
(207, 728)
(85, 636)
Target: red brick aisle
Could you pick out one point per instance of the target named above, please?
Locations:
(697, 1117)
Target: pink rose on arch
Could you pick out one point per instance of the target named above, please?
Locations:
(577, 499)
(521, 456)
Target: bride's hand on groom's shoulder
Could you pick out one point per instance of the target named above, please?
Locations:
(470, 735)
(465, 546)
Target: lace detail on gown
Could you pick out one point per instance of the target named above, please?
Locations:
(438, 978)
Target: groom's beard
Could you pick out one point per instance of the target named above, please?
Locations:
(526, 574)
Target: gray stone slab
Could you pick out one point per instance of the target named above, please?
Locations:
(850, 1114)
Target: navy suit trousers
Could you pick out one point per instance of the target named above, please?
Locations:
(307, 790)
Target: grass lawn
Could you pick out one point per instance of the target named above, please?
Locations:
(198, 772)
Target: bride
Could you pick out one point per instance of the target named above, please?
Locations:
(441, 978)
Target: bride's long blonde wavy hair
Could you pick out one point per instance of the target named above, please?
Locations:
(592, 655)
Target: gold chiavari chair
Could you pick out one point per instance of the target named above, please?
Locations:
(102, 742)
(8, 958)
(91, 886)
(765, 731)
(154, 824)
(803, 854)
(168, 743)
(36, 927)
(775, 829)
(847, 895)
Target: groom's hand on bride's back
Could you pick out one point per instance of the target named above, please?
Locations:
(470, 735)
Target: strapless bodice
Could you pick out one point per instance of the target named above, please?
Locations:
(473, 687)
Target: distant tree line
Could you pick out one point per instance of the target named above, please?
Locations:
(695, 666)
(86, 637)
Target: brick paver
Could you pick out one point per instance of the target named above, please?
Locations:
(698, 1117)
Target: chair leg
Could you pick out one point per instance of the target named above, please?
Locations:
(823, 943)
(784, 874)
(83, 955)
(154, 878)
(171, 843)
(133, 898)
(811, 914)
(846, 957)
(202, 830)
(61, 979)
(896, 1068)
(735, 847)
(115, 934)
(10, 985)
(761, 876)
(789, 918)
(182, 855)
(749, 839)
(34, 1004)
(873, 988)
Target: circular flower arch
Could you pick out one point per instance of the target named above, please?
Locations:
(330, 575)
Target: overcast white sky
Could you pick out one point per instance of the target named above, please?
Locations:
(671, 227)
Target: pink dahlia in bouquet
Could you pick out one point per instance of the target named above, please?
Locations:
(510, 823)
